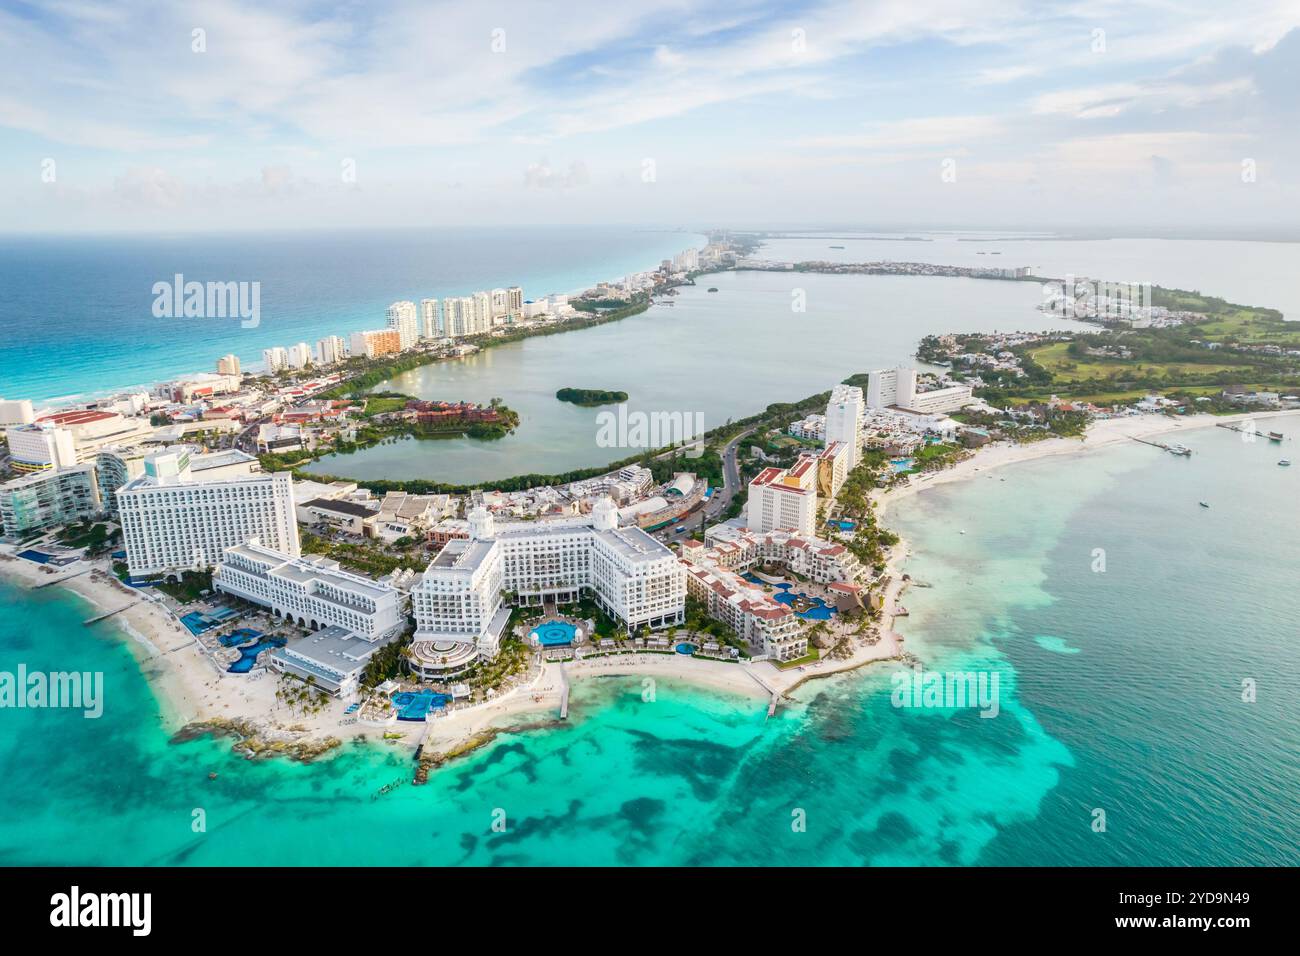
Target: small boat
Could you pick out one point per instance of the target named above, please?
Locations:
(1284, 462)
(1274, 436)
(961, 532)
(1204, 505)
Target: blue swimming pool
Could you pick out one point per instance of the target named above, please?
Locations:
(239, 636)
(415, 705)
(900, 465)
(555, 634)
(685, 648)
(248, 654)
(818, 610)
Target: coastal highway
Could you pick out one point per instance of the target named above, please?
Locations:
(717, 504)
(730, 476)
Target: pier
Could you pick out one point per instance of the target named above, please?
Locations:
(1181, 450)
(60, 579)
(774, 695)
(107, 614)
(1235, 427)
(564, 693)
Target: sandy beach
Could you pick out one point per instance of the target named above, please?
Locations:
(1101, 434)
(191, 687)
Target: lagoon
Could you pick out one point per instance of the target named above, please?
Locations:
(722, 355)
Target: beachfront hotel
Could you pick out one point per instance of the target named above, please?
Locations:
(459, 602)
(756, 617)
(313, 592)
(175, 521)
(46, 499)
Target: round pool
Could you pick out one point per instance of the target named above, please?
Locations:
(685, 648)
(555, 634)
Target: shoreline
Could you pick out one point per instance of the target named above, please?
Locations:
(191, 691)
(96, 395)
(1101, 434)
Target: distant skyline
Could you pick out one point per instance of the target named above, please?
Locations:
(1134, 118)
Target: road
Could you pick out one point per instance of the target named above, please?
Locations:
(721, 498)
(730, 476)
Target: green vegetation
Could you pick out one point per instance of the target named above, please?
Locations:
(190, 587)
(383, 403)
(368, 559)
(590, 397)
(89, 535)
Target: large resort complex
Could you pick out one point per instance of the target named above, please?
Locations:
(458, 603)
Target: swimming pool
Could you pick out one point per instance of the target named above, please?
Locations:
(555, 634)
(415, 705)
(900, 465)
(239, 636)
(684, 648)
(248, 654)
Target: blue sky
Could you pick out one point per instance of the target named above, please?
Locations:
(1131, 116)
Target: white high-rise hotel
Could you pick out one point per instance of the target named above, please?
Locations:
(430, 326)
(896, 387)
(633, 577)
(404, 317)
(173, 522)
(844, 416)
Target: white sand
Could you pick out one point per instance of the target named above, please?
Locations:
(190, 686)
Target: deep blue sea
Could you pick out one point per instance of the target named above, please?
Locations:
(76, 312)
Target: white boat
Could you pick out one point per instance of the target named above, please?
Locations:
(1284, 462)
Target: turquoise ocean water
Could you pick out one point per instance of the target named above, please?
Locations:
(1120, 690)
(76, 311)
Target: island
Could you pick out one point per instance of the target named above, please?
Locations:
(591, 397)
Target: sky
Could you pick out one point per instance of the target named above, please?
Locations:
(1135, 117)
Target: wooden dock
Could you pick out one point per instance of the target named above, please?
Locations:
(564, 693)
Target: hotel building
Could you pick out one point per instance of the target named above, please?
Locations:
(784, 498)
(376, 342)
(299, 355)
(756, 617)
(313, 592)
(331, 350)
(459, 602)
(40, 447)
(70, 438)
(174, 521)
(404, 318)
(430, 324)
(738, 549)
(47, 499)
(228, 365)
(274, 359)
(896, 387)
(844, 415)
